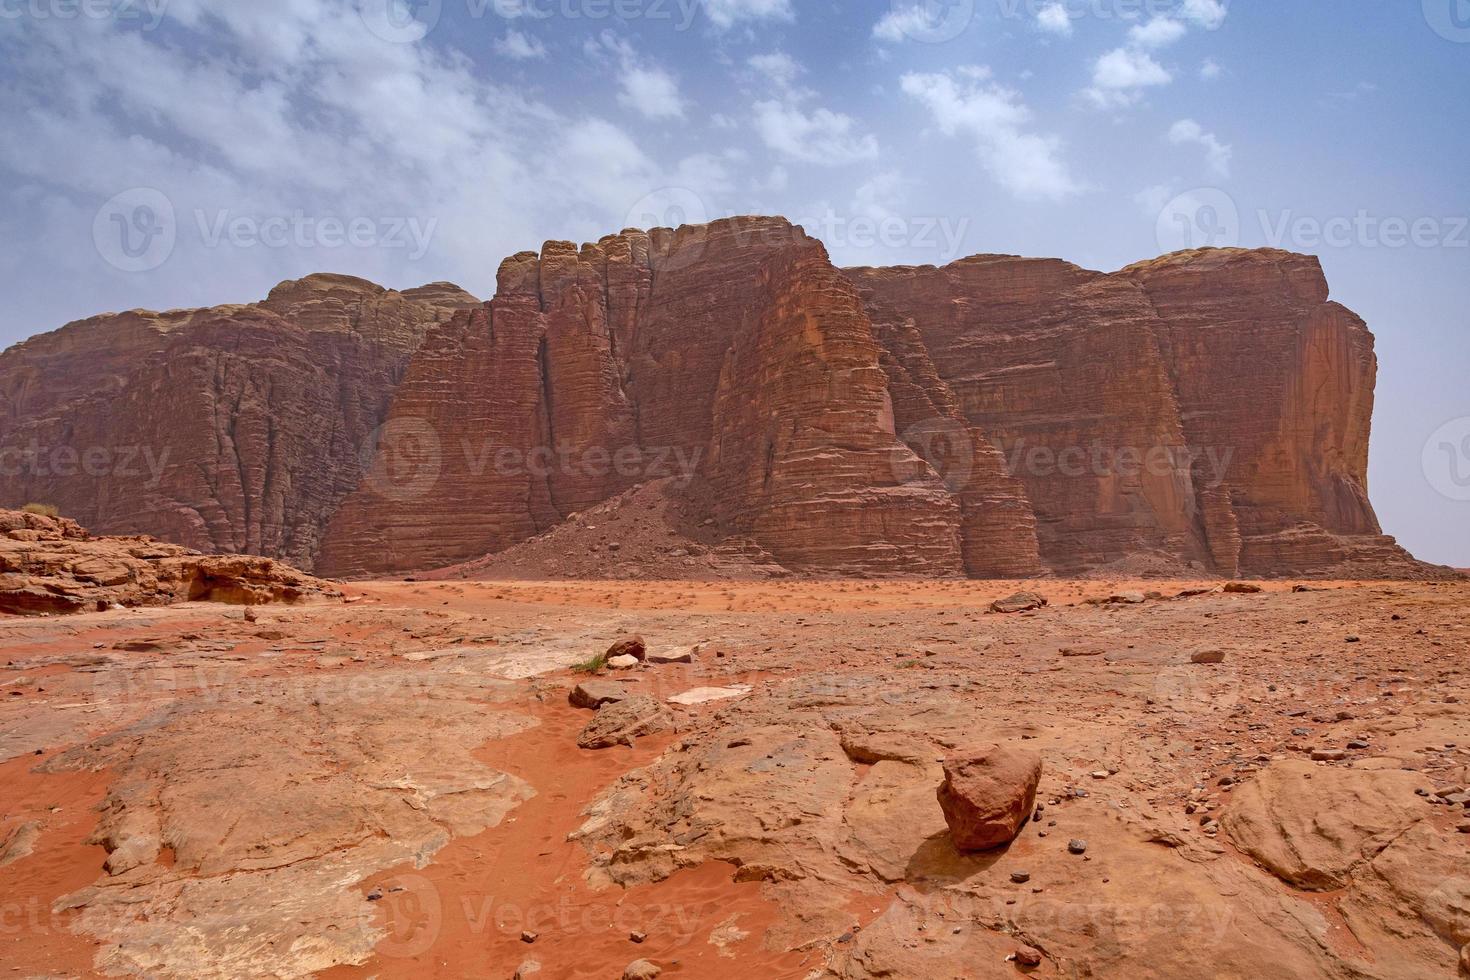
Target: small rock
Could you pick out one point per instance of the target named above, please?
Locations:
(1329, 755)
(1077, 846)
(1208, 657)
(1242, 588)
(628, 646)
(1020, 602)
(1020, 877)
(1028, 958)
(678, 655)
(641, 970)
(594, 694)
(529, 937)
(1357, 744)
(638, 937)
(1083, 651)
(624, 662)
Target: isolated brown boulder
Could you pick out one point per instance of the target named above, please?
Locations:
(628, 646)
(1020, 602)
(988, 794)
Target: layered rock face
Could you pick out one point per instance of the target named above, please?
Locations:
(1210, 408)
(999, 417)
(235, 429)
(732, 355)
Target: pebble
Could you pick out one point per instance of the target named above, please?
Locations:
(1077, 846)
(529, 937)
(1020, 877)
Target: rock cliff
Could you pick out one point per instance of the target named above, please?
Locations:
(998, 417)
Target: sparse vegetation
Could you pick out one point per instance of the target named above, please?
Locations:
(594, 666)
(44, 510)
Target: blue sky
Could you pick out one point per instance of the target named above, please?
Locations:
(164, 153)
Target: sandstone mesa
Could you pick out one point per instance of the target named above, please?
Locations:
(1206, 412)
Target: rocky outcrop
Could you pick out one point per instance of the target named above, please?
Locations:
(1211, 407)
(732, 353)
(1202, 413)
(237, 429)
(51, 565)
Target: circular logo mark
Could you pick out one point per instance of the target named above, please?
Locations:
(667, 207)
(136, 230)
(1203, 218)
(1446, 459)
(1450, 19)
(402, 460)
(412, 916)
(947, 446)
(932, 21)
(400, 21)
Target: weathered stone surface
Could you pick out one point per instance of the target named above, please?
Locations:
(988, 795)
(596, 693)
(52, 565)
(620, 722)
(1020, 602)
(1311, 826)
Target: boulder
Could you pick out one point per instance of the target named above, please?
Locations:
(628, 646)
(620, 722)
(988, 795)
(595, 693)
(1020, 602)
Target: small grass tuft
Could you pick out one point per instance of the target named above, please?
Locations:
(44, 510)
(594, 666)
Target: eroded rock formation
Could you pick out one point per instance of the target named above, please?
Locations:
(52, 565)
(999, 417)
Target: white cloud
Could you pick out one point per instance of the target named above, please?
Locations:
(901, 23)
(1160, 32)
(881, 197)
(1210, 70)
(1209, 14)
(652, 92)
(779, 67)
(1053, 19)
(1028, 165)
(1217, 154)
(726, 13)
(1119, 77)
(1151, 200)
(519, 46)
(646, 89)
(820, 136)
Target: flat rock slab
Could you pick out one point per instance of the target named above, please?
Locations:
(1312, 825)
(703, 695)
(620, 722)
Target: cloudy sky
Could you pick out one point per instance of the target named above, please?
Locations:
(164, 153)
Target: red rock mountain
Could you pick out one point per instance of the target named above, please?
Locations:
(999, 416)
